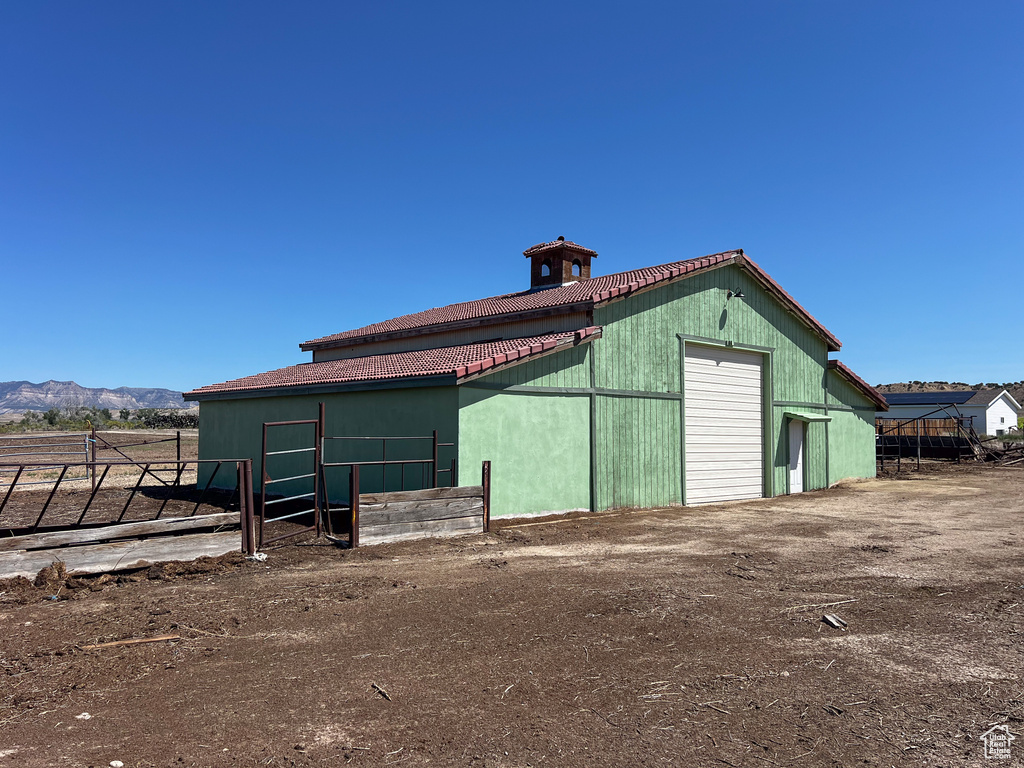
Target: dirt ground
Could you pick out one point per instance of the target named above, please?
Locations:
(662, 637)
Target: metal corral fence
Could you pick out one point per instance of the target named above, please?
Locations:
(53, 450)
(923, 427)
(45, 452)
(929, 436)
(157, 493)
(121, 525)
(293, 457)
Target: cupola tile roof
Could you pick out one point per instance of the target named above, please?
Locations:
(557, 244)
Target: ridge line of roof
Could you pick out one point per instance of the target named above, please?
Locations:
(662, 272)
(644, 277)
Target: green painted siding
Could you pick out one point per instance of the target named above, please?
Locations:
(843, 393)
(637, 439)
(538, 444)
(638, 457)
(233, 429)
(640, 350)
(570, 368)
(851, 432)
(816, 470)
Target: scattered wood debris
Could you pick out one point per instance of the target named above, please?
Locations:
(133, 641)
(834, 621)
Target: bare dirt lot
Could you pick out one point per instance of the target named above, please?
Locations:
(664, 637)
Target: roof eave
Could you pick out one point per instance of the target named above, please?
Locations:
(834, 344)
(740, 259)
(507, 360)
(428, 380)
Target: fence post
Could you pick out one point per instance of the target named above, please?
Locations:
(263, 483)
(243, 513)
(93, 444)
(956, 438)
(486, 483)
(318, 458)
(178, 452)
(353, 502)
(917, 424)
(434, 463)
(250, 506)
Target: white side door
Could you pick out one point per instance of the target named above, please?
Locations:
(796, 456)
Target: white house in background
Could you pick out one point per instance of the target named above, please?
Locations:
(994, 410)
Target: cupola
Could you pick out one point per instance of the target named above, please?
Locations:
(557, 263)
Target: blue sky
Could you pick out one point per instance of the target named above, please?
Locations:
(188, 190)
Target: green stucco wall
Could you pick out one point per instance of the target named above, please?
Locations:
(233, 429)
(538, 444)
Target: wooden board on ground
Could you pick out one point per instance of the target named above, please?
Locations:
(385, 534)
(121, 531)
(424, 494)
(120, 555)
(419, 511)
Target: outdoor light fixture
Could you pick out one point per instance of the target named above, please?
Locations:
(738, 294)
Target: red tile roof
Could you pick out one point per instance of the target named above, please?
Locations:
(460, 362)
(870, 392)
(583, 293)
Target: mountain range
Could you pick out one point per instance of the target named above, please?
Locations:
(21, 396)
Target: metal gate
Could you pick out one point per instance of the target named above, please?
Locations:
(298, 481)
(310, 479)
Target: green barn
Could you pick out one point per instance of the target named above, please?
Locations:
(690, 382)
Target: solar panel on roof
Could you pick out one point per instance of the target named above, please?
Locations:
(928, 398)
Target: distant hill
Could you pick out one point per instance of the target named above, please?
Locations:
(1015, 388)
(21, 396)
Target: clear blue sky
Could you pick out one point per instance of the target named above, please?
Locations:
(190, 189)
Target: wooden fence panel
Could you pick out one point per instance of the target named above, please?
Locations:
(420, 514)
(928, 427)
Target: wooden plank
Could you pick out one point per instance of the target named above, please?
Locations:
(120, 555)
(421, 495)
(385, 534)
(414, 512)
(121, 531)
(133, 641)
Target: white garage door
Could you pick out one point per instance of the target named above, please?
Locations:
(724, 431)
